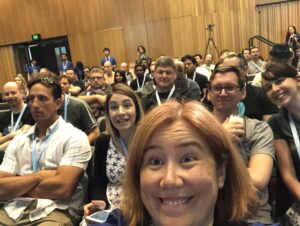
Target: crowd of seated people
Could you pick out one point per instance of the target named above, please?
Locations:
(161, 169)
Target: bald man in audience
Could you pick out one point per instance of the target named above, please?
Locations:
(16, 120)
(109, 73)
(124, 68)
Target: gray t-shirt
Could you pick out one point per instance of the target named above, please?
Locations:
(258, 140)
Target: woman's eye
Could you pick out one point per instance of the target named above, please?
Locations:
(113, 107)
(186, 159)
(155, 161)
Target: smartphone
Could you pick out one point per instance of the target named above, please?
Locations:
(99, 216)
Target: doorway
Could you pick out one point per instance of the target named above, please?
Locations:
(45, 51)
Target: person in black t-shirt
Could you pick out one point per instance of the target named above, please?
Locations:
(16, 120)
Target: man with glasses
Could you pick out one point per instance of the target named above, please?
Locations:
(253, 138)
(255, 104)
(42, 176)
(97, 86)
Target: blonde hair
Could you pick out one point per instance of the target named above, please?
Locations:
(233, 199)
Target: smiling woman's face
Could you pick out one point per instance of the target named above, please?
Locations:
(122, 112)
(179, 178)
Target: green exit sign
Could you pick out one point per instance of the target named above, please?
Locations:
(35, 37)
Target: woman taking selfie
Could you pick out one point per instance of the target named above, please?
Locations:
(183, 170)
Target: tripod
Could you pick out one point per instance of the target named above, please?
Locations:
(210, 40)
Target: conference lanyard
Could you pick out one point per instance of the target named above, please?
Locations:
(14, 127)
(65, 107)
(194, 77)
(124, 148)
(295, 133)
(107, 59)
(138, 85)
(37, 152)
(169, 96)
(65, 65)
(259, 68)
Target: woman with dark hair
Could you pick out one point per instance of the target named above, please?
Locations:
(141, 54)
(120, 77)
(292, 38)
(79, 70)
(282, 87)
(123, 111)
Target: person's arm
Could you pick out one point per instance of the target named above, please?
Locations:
(15, 186)
(60, 186)
(93, 134)
(5, 140)
(94, 98)
(74, 90)
(260, 170)
(286, 167)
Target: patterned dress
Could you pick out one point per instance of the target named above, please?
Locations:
(115, 169)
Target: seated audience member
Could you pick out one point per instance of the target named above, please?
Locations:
(292, 38)
(224, 53)
(253, 138)
(123, 112)
(120, 77)
(199, 69)
(183, 170)
(65, 83)
(16, 120)
(281, 53)
(141, 79)
(65, 64)
(188, 89)
(76, 85)
(124, 68)
(109, 74)
(79, 70)
(78, 113)
(256, 104)
(97, 86)
(190, 70)
(208, 63)
(165, 79)
(255, 66)
(86, 72)
(281, 86)
(246, 54)
(20, 80)
(42, 174)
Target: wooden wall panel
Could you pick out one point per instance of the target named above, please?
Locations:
(20, 19)
(135, 35)
(87, 47)
(7, 66)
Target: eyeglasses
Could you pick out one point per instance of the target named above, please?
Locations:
(98, 78)
(229, 89)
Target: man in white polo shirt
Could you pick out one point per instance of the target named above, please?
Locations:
(42, 174)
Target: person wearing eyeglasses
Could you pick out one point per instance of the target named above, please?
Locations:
(254, 138)
(42, 176)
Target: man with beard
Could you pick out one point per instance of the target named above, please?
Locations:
(190, 65)
(16, 120)
(138, 83)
